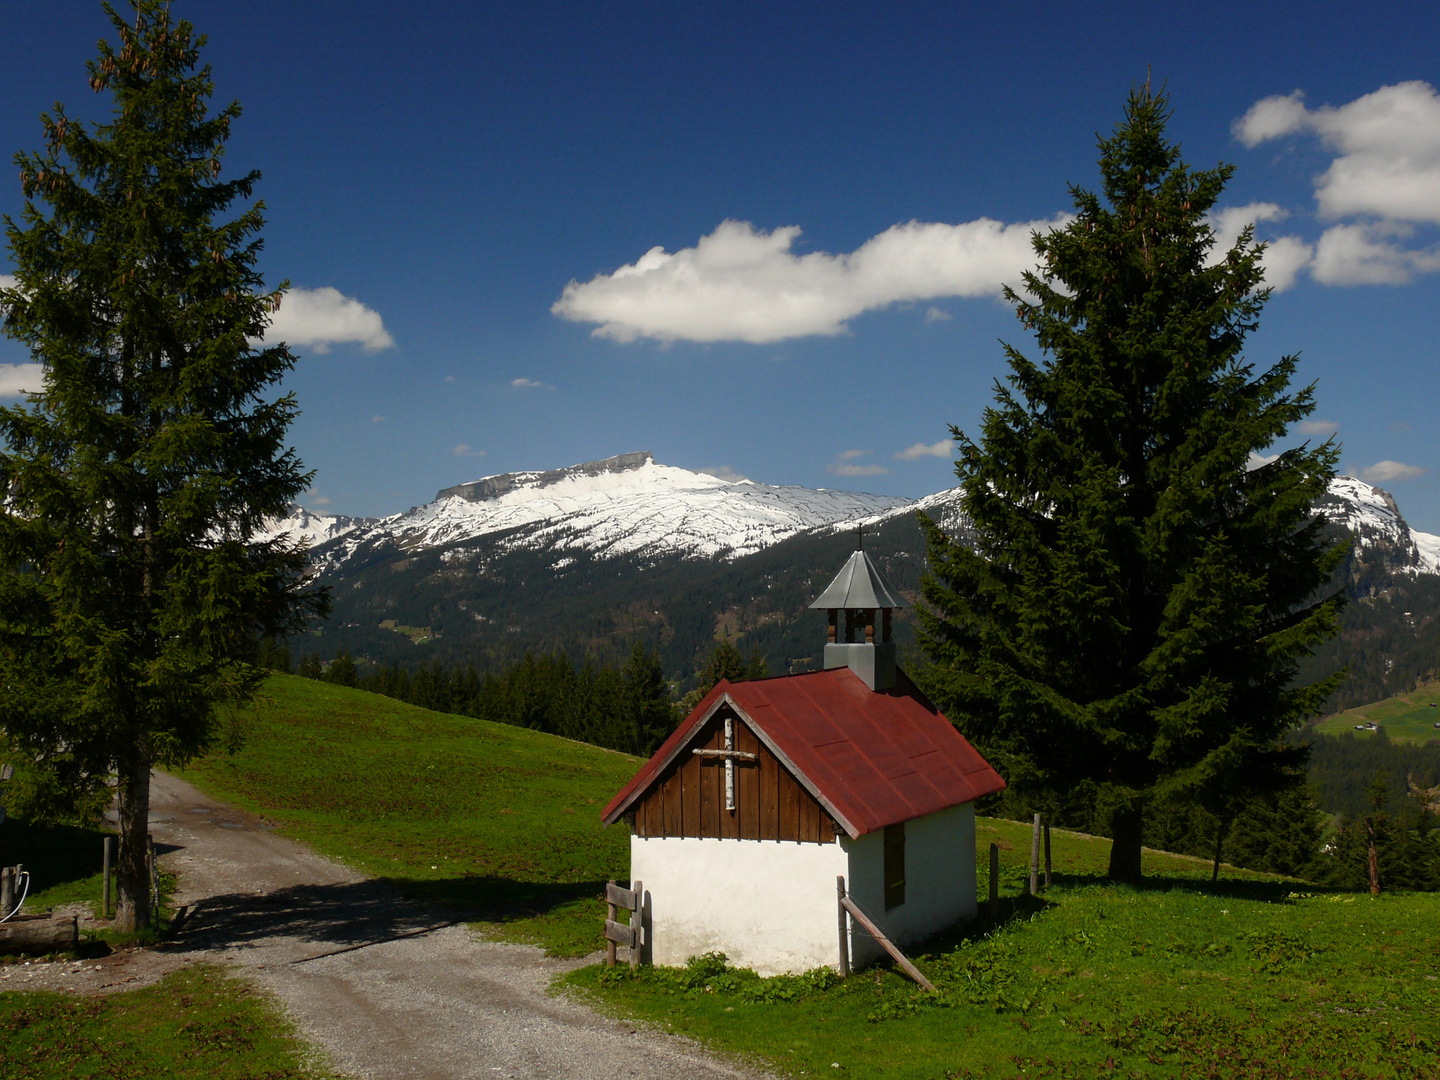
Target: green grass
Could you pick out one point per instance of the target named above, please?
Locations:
(201, 1022)
(1406, 717)
(1255, 979)
(499, 821)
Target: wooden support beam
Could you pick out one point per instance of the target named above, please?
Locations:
(844, 927)
(885, 943)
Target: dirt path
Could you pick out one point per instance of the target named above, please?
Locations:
(365, 974)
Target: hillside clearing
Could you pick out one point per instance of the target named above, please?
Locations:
(1410, 717)
(498, 821)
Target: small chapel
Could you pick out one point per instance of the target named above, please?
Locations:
(770, 790)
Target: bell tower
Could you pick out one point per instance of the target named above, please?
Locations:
(859, 603)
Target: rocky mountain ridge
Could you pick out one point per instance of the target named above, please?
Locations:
(631, 505)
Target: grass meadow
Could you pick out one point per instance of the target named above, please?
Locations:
(497, 821)
(1256, 978)
(1408, 717)
(200, 1023)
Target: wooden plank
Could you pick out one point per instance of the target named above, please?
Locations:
(769, 770)
(654, 814)
(628, 899)
(844, 928)
(672, 804)
(712, 785)
(621, 935)
(809, 818)
(690, 797)
(790, 795)
(610, 913)
(885, 943)
(747, 784)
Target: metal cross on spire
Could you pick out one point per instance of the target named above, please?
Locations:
(730, 755)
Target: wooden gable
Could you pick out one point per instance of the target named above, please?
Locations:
(688, 798)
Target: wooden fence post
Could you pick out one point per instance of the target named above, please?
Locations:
(7, 890)
(844, 926)
(610, 912)
(1035, 857)
(994, 882)
(637, 920)
(105, 889)
(631, 935)
(1047, 855)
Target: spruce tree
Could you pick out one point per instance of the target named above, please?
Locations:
(133, 594)
(1129, 622)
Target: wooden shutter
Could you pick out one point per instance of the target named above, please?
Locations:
(894, 865)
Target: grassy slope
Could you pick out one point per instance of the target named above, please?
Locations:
(1406, 717)
(1172, 980)
(499, 820)
(1253, 980)
(198, 1024)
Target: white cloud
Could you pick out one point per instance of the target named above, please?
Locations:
(321, 501)
(1284, 256)
(846, 463)
(449, 378)
(1317, 427)
(1388, 142)
(17, 380)
(740, 283)
(377, 419)
(1386, 171)
(7, 281)
(1366, 254)
(320, 318)
(530, 384)
(462, 450)
(726, 473)
(1384, 472)
(920, 450)
(935, 314)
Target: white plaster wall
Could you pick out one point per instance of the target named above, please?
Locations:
(939, 879)
(771, 905)
(766, 904)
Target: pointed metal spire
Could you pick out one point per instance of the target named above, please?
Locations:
(859, 585)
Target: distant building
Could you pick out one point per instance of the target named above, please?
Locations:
(770, 790)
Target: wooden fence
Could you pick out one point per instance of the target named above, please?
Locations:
(627, 934)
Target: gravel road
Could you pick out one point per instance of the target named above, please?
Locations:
(385, 986)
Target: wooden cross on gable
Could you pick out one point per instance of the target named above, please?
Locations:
(730, 755)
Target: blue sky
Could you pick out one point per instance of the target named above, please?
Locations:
(438, 175)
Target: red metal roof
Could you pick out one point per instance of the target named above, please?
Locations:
(872, 758)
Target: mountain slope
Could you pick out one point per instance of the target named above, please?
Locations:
(591, 558)
(624, 505)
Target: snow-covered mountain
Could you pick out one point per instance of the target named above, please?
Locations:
(317, 529)
(630, 504)
(1371, 516)
(627, 504)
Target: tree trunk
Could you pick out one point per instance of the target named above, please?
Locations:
(1220, 831)
(1125, 846)
(132, 909)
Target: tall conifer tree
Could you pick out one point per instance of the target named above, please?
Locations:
(1130, 619)
(132, 594)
